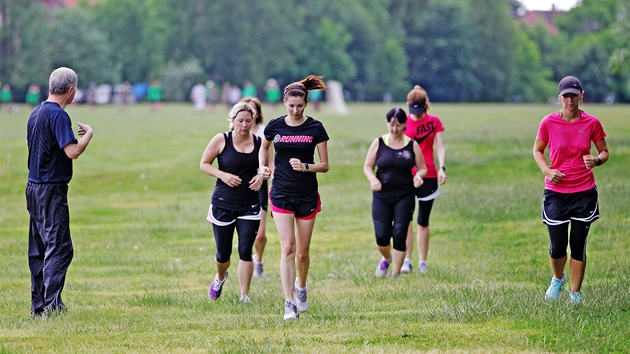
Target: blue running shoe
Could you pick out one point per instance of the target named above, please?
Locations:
(575, 297)
(553, 293)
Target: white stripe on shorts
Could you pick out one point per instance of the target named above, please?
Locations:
(212, 220)
(430, 196)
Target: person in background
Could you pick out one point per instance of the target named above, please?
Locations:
(6, 98)
(316, 98)
(211, 92)
(273, 92)
(261, 237)
(235, 200)
(51, 149)
(125, 96)
(393, 155)
(90, 96)
(154, 95)
(198, 97)
(426, 130)
(294, 195)
(570, 195)
(32, 95)
(249, 90)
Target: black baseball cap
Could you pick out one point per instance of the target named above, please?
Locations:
(569, 84)
(417, 108)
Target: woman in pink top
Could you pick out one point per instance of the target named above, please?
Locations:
(426, 130)
(570, 195)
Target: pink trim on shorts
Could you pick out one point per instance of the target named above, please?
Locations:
(284, 211)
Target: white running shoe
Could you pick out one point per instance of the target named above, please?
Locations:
(244, 299)
(290, 311)
(259, 272)
(423, 267)
(301, 298)
(407, 266)
(381, 269)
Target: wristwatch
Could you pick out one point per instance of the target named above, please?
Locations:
(443, 168)
(305, 167)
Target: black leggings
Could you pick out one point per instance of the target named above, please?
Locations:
(391, 220)
(559, 237)
(424, 212)
(223, 236)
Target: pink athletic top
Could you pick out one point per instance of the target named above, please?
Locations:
(423, 132)
(567, 143)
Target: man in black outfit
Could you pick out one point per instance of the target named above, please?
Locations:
(51, 148)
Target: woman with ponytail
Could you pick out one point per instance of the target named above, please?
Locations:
(294, 192)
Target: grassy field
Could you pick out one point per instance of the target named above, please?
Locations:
(144, 252)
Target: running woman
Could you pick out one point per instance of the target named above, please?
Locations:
(235, 200)
(394, 155)
(294, 192)
(570, 195)
(426, 130)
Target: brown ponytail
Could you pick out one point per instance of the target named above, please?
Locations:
(301, 88)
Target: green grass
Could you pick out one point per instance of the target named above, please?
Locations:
(144, 252)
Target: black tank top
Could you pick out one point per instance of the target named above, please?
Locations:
(394, 169)
(244, 165)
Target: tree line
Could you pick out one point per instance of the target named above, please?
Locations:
(459, 51)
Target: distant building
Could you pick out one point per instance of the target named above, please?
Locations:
(532, 18)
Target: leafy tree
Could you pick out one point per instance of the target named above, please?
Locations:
(179, 79)
(327, 55)
(493, 39)
(374, 37)
(533, 80)
(74, 41)
(24, 53)
(589, 16)
(159, 27)
(123, 21)
(441, 53)
(620, 59)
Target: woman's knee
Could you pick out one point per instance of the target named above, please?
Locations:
(303, 256)
(288, 248)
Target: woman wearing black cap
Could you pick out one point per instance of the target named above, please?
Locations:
(394, 155)
(426, 130)
(570, 195)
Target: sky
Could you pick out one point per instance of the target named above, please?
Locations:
(546, 4)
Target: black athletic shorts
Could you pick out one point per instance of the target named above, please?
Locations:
(224, 217)
(304, 207)
(429, 190)
(561, 208)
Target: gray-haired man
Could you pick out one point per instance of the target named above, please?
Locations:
(51, 148)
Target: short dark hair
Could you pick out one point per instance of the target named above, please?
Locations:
(397, 113)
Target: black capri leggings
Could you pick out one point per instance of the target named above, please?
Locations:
(424, 212)
(391, 220)
(223, 236)
(559, 237)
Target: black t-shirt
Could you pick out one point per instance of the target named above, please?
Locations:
(49, 130)
(244, 165)
(294, 142)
